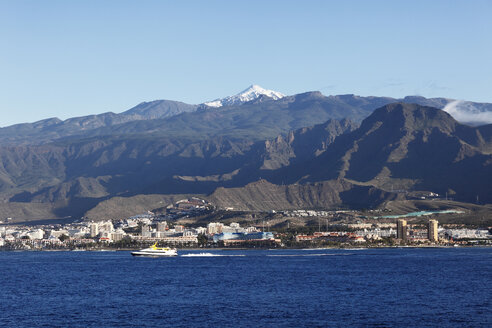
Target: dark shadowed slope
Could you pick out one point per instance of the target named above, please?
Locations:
(407, 146)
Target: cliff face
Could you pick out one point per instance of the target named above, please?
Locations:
(303, 144)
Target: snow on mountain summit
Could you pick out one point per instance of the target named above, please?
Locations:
(251, 93)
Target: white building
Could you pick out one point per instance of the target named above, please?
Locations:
(201, 230)
(35, 234)
(53, 240)
(131, 223)
(106, 236)
(360, 225)
(94, 229)
(214, 227)
(146, 231)
(9, 238)
(106, 226)
(252, 229)
(180, 239)
(79, 233)
(58, 233)
(190, 233)
(467, 233)
(118, 235)
(162, 226)
(376, 233)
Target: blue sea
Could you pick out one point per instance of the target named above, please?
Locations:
(398, 287)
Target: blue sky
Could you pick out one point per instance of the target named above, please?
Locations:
(67, 58)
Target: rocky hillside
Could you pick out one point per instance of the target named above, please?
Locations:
(265, 196)
(294, 140)
(407, 146)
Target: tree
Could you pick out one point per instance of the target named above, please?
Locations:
(63, 237)
(202, 239)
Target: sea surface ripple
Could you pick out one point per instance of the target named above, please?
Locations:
(249, 288)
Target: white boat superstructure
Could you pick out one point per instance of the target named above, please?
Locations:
(155, 251)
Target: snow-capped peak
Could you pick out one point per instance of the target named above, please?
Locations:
(251, 93)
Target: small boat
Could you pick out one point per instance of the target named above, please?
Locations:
(154, 251)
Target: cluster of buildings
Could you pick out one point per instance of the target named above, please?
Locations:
(337, 237)
(134, 230)
(48, 236)
(150, 227)
(306, 213)
(139, 229)
(431, 234)
(401, 231)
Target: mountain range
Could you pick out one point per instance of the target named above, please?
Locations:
(251, 111)
(310, 150)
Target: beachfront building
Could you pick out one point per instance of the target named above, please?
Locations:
(162, 226)
(432, 233)
(214, 227)
(401, 232)
(254, 236)
(94, 229)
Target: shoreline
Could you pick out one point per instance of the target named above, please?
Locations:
(244, 249)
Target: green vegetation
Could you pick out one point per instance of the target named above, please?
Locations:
(63, 237)
(202, 240)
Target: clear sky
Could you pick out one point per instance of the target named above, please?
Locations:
(73, 58)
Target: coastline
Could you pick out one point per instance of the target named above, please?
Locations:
(256, 248)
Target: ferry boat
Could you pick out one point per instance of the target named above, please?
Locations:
(154, 251)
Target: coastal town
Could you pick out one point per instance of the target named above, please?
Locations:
(167, 228)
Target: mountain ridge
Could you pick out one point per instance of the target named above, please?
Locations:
(302, 140)
(410, 146)
(349, 106)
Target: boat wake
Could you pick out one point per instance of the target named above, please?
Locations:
(302, 255)
(209, 255)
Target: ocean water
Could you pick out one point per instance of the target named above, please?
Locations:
(400, 287)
